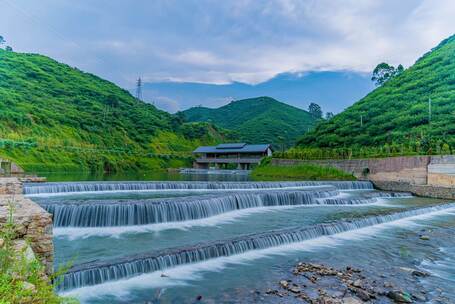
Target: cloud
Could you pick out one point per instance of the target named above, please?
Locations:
(201, 58)
(225, 41)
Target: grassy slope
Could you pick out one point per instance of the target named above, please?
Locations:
(270, 172)
(60, 107)
(397, 112)
(257, 120)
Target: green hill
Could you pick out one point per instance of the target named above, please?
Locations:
(55, 117)
(397, 113)
(257, 120)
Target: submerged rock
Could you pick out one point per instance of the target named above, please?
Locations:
(399, 296)
(284, 283)
(351, 300)
(419, 273)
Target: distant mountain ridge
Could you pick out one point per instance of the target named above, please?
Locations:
(257, 120)
(333, 90)
(398, 113)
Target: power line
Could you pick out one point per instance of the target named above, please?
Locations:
(139, 89)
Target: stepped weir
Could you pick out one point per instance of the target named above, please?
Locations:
(65, 188)
(74, 206)
(103, 213)
(103, 271)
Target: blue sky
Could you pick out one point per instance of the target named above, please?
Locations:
(224, 42)
(334, 91)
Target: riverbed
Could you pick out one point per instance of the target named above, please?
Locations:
(229, 241)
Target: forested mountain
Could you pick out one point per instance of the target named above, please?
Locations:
(257, 120)
(53, 116)
(398, 112)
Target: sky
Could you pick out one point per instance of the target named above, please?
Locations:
(225, 42)
(332, 90)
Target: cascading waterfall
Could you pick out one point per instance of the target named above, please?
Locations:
(74, 187)
(99, 272)
(390, 194)
(347, 201)
(103, 213)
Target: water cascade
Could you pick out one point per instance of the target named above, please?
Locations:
(102, 213)
(390, 194)
(75, 187)
(102, 271)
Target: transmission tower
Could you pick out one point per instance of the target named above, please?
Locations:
(139, 89)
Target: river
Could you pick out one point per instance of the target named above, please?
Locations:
(178, 241)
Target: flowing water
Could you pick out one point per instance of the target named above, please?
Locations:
(138, 242)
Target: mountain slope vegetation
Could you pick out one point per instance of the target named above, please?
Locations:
(55, 117)
(257, 120)
(397, 113)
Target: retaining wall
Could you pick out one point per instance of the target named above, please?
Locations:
(33, 224)
(401, 169)
(430, 176)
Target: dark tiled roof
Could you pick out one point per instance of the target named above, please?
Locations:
(231, 146)
(235, 148)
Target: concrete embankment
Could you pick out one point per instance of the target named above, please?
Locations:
(430, 176)
(33, 224)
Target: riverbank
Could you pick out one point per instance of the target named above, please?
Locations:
(26, 248)
(36, 160)
(270, 172)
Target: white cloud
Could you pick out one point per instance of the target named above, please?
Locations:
(220, 42)
(201, 58)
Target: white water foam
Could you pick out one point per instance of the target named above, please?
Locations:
(183, 275)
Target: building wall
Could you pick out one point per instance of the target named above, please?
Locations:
(12, 167)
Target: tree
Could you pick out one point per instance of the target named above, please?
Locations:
(2, 40)
(315, 110)
(8, 48)
(384, 72)
(177, 120)
(329, 115)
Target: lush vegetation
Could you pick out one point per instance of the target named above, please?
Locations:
(396, 116)
(395, 149)
(269, 172)
(257, 120)
(55, 117)
(22, 277)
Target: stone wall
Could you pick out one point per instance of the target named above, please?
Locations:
(429, 176)
(441, 171)
(411, 169)
(10, 185)
(32, 222)
(419, 190)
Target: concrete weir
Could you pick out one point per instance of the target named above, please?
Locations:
(32, 223)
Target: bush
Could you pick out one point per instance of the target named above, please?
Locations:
(23, 278)
(299, 172)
